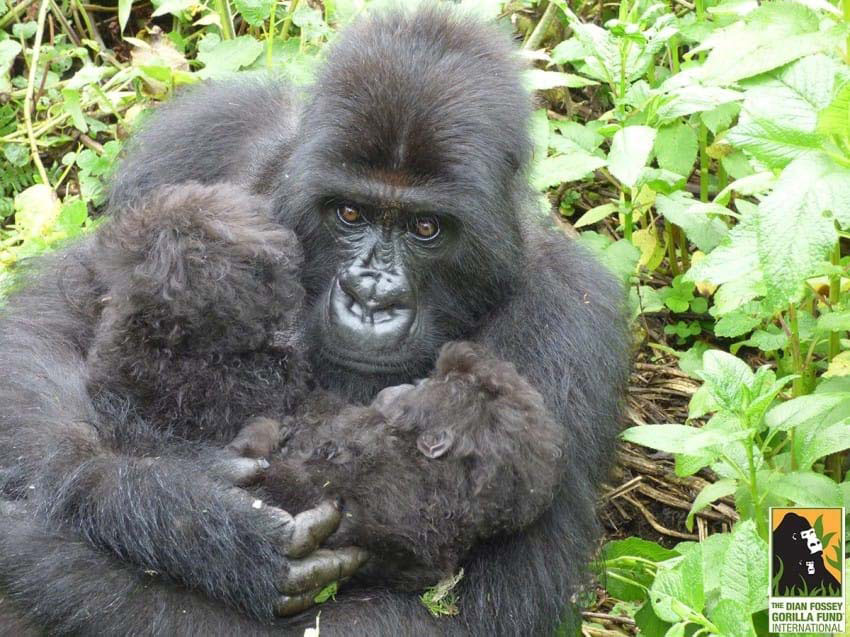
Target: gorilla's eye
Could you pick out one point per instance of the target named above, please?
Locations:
(426, 228)
(349, 215)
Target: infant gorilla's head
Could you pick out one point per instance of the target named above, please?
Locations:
(470, 395)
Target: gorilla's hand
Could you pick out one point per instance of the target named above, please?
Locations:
(308, 569)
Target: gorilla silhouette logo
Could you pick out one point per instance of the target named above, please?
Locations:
(798, 567)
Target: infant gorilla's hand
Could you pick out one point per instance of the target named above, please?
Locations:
(308, 568)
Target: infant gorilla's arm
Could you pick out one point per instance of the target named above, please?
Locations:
(426, 471)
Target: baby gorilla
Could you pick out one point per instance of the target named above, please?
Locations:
(202, 312)
(425, 472)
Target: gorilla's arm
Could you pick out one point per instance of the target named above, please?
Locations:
(112, 479)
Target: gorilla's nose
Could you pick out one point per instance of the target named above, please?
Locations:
(374, 293)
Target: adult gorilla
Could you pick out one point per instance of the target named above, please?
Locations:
(405, 177)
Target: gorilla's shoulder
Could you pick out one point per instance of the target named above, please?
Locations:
(562, 261)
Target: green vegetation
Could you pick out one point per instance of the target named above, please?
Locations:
(701, 150)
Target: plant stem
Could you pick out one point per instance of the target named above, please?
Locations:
(845, 7)
(270, 36)
(671, 248)
(542, 27)
(222, 8)
(703, 162)
(287, 22)
(39, 34)
(797, 387)
(17, 10)
(761, 523)
(834, 291)
(628, 216)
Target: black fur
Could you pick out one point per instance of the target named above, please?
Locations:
(428, 471)
(428, 104)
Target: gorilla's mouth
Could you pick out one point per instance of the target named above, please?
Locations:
(367, 365)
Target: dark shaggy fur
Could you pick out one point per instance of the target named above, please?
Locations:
(426, 472)
(202, 311)
(122, 526)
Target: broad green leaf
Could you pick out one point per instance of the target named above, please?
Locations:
(9, 50)
(793, 234)
(736, 255)
(693, 98)
(806, 488)
(709, 494)
(222, 58)
(540, 80)
(71, 105)
(669, 438)
(773, 143)
(693, 217)
(744, 569)
(630, 151)
(771, 36)
(595, 215)
(824, 441)
(678, 592)
(838, 366)
(726, 376)
(834, 321)
(254, 12)
(792, 96)
(618, 557)
(124, 7)
(553, 171)
(568, 50)
(36, 209)
(735, 324)
(732, 618)
(676, 148)
(174, 7)
(835, 118)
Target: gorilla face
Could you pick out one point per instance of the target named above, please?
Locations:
(404, 191)
(373, 310)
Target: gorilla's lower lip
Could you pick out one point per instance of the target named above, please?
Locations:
(365, 365)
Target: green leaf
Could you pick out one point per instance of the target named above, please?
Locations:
(595, 215)
(806, 488)
(744, 569)
(669, 438)
(222, 58)
(553, 171)
(835, 118)
(793, 234)
(9, 50)
(826, 440)
(693, 217)
(540, 80)
(174, 7)
(792, 96)
(709, 494)
(693, 98)
(732, 618)
(124, 7)
(735, 255)
(618, 558)
(678, 592)
(773, 35)
(71, 105)
(772, 143)
(676, 148)
(726, 376)
(735, 324)
(834, 321)
(254, 12)
(630, 151)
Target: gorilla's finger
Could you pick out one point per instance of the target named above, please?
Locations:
(312, 527)
(241, 471)
(259, 438)
(292, 604)
(321, 568)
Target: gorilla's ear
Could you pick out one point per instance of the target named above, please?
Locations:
(434, 444)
